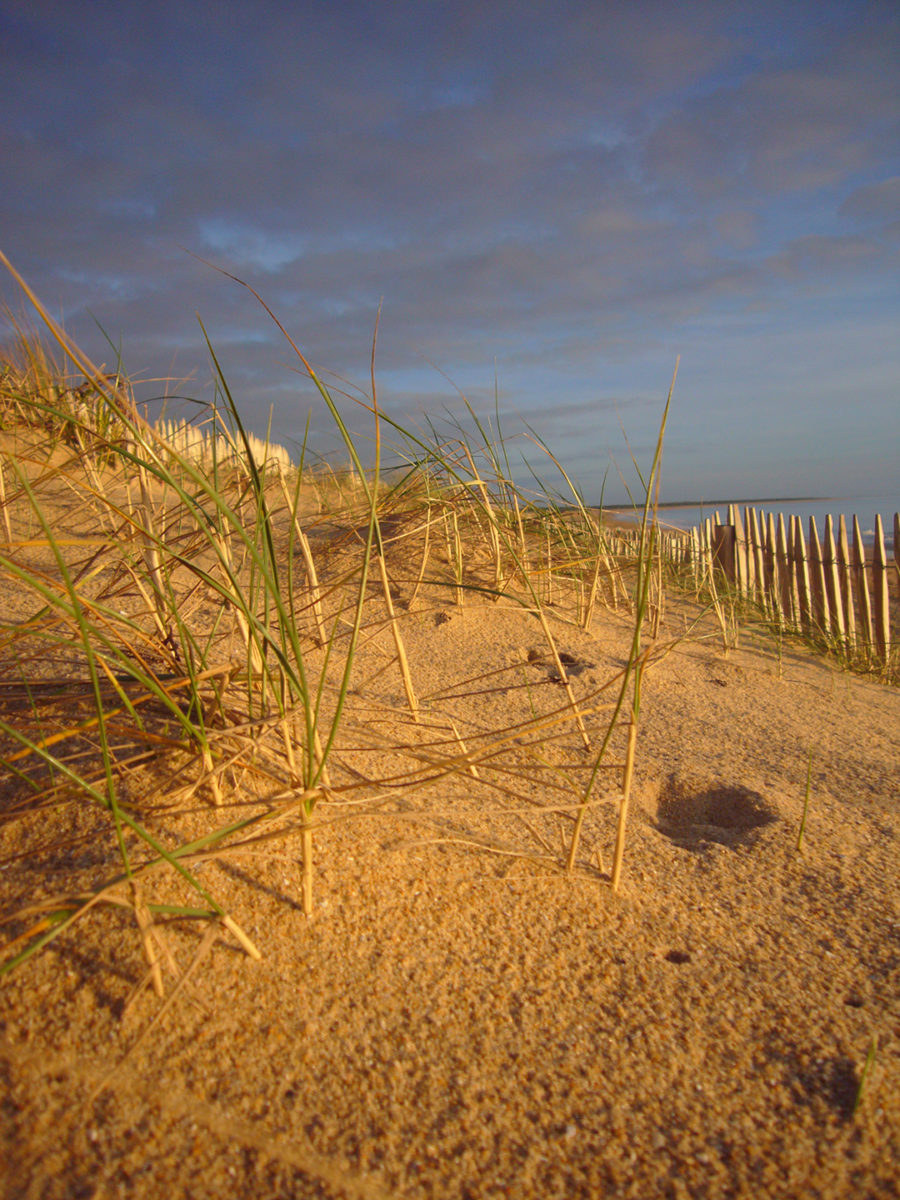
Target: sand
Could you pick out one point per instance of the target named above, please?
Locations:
(461, 1017)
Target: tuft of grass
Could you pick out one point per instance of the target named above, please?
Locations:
(208, 636)
(633, 676)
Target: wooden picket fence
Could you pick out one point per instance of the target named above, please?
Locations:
(828, 588)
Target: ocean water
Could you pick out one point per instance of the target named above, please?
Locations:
(685, 516)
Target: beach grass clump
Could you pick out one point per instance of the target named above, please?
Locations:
(165, 537)
(194, 612)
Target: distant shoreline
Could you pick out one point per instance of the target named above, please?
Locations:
(618, 508)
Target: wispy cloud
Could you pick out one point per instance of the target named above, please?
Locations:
(569, 198)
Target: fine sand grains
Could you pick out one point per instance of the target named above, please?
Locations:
(460, 1018)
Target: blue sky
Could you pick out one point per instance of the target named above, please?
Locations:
(559, 199)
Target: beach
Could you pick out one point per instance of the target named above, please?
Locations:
(462, 1013)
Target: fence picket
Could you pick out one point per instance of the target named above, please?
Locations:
(784, 573)
(826, 586)
(723, 550)
(861, 588)
(762, 592)
(845, 575)
(741, 567)
(748, 549)
(821, 614)
(773, 581)
(696, 555)
(832, 581)
(801, 575)
(880, 589)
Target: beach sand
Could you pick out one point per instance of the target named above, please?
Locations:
(459, 1016)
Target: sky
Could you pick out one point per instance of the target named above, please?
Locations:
(549, 203)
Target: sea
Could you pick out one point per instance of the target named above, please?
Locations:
(690, 513)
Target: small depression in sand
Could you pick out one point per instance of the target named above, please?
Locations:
(691, 812)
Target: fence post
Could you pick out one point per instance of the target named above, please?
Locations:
(820, 599)
(845, 573)
(801, 574)
(832, 581)
(880, 588)
(784, 572)
(723, 550)
(741, 570)
(861, 587)
(759, 560)
(749, 551)
(696, 556)
(785, 575)
(773, 576)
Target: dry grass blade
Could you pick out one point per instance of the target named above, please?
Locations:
(199, 641)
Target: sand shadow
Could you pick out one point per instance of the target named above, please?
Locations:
(834, 1082)
(691, 815)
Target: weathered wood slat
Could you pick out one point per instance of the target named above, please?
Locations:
(697, 555)
(845, 575)
(723, 550)
(741, 567)
(880, 590)
(801, 576)
(832, 581)
(861, 588)
(793, 525)
(821, 613)
(773, 582)
(784, 573)
(756, 539)
(748, 550)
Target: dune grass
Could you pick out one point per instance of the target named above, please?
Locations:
(191, 635)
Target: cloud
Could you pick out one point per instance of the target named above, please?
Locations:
(830, 260)
(875, 205)
(575, 198)
(788, 127)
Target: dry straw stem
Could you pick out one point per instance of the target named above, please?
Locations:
(426, 549)
(309, 562)
(865, 1075)
(499, 536)
(633, 674)
(4, 505)
(145, 924)
(212, 531)
(805, 802)
(89, 622)
(375, 530)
